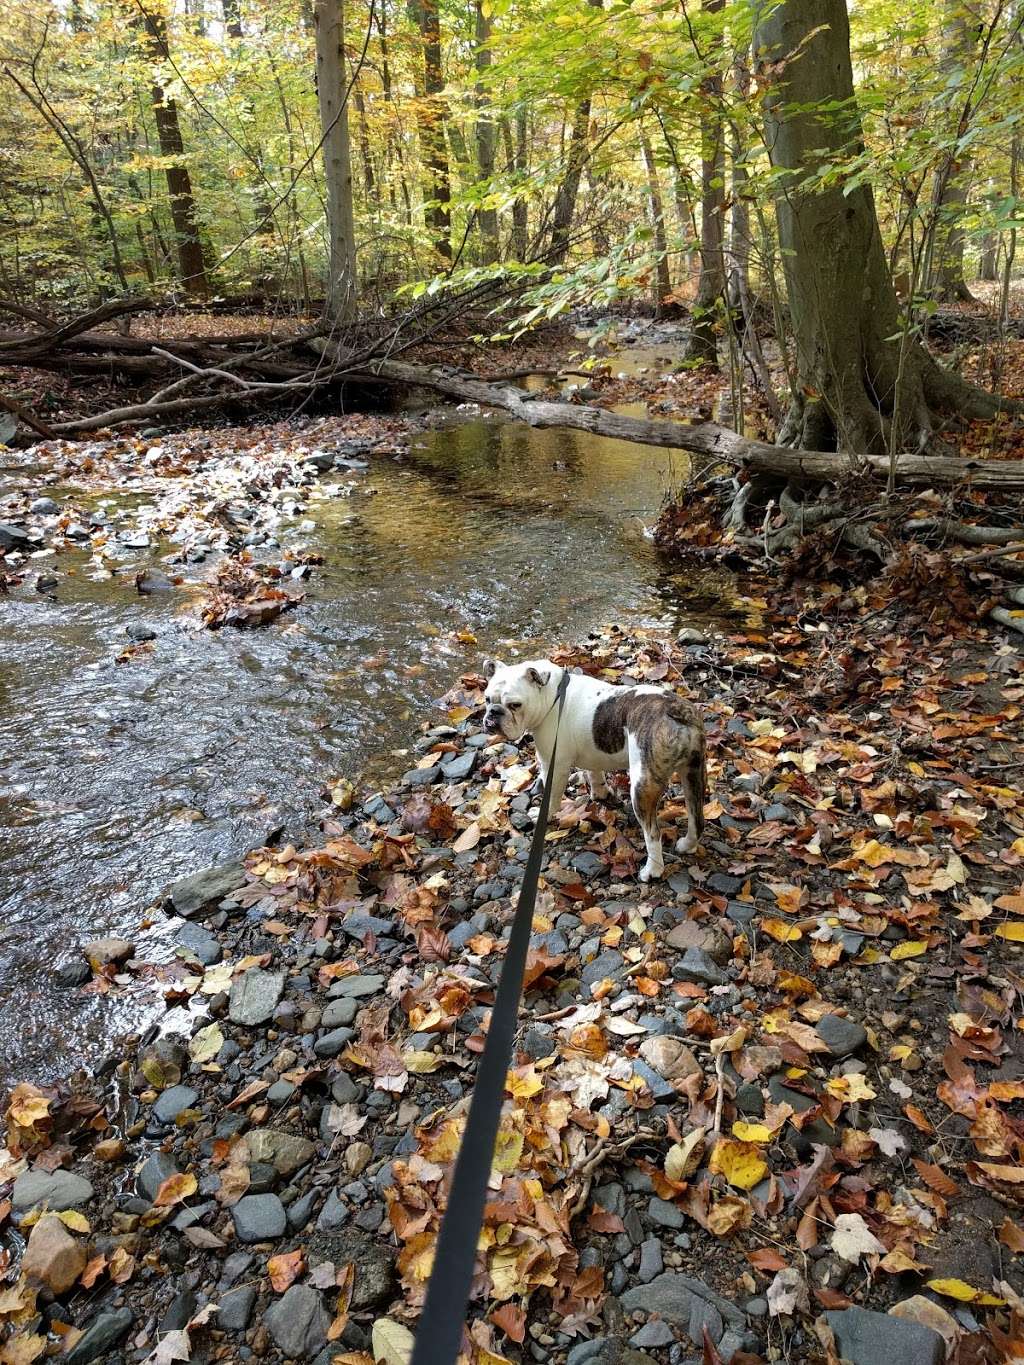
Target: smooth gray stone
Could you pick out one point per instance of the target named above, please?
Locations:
(190, 894)
(101, 1336)
(867, 1338)
(235, 1309)
(254, 996)
(59, 1190)
(259, 1218)
(298, 1322)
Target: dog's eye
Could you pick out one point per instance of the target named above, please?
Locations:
(514, 705)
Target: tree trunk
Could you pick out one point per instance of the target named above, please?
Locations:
(332, 93)
(662, 283)
(864, 384)
(703, 346)
(515, 155)
(485, 135)
(949, 200)
(437, 191)
(565, 199)
(192, 263)
(738, 285)
(988, 269)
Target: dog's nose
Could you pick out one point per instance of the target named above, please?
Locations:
(492, 719)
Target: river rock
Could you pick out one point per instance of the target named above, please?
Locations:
(58, 1190)
(842, 1036)
(188, 896)
(867, 1338)
(356, 987)
(609, 963)
(670, 1057)
(101, 1336)
(298, 1322)
(330, 1044)
(53, 1257)
(374, 1282)
(200, 943)
(259, 1218)
(235, 1309)
(155, 1170)
(71, 974)
(13, 537)
(682, 1300)
(697, 965)
(254, 995)
(696, 934)
(285, 1152)
(173, 1102)
(339, 1013)
(101, 952)
(43, 507)
(139, 632)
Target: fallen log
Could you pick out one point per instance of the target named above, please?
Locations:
(714, 442)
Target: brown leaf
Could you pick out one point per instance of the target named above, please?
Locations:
(433, 944)
(175, 1188)
(603, 1221)
(511, 1319)
(936, 1179)
(1012, 1235)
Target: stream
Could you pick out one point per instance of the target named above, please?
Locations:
(117, 779)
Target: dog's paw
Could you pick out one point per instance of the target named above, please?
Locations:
(651, 871)
(686, 844)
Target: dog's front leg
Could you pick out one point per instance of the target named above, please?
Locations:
(557, 777)
(597, 784)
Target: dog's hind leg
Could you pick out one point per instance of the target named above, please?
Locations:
(646, 793)
(598, 786)
(694, 776)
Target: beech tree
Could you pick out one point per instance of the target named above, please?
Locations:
(865, 384)
(332, 91)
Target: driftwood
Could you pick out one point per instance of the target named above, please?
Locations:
(195, 374)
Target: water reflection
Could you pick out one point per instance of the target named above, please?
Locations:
(118, 778)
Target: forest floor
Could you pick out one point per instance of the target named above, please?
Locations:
(778, 1088)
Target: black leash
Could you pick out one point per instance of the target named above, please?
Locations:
(439, 1335)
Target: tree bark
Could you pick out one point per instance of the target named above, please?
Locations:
(703, 346)
(437, 192)
(487, 216)
(565, 198)
(332, 93)
(662, 283)
(192, 264)
(946, 276)
(864, 385)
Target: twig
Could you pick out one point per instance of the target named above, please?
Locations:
(23, 415)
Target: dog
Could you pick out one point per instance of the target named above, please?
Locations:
(648, 730)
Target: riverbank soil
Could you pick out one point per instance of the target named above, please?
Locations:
(755, 1106)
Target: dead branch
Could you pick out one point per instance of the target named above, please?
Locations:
(23, 415)
(947, 529)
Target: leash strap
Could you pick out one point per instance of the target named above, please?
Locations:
(439, 1335)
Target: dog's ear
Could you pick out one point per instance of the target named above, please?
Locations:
(538, 678)
(489, 667)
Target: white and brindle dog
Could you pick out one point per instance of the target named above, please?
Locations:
(648, 730)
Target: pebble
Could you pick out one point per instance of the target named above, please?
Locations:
(653, 1333)
(200, 943)
(53, 1257)
(842, 1036)
(155, 1170)
(172, 1102)
(356, 987)
(59, 1190)
(284, 1151)
(254, 996)
(298, 1322)
(330, 1044)
(651, 1262)
(189, 895)
(259, 1218)
(665, 1214)
(609, 963)
(104, 1333)
(864, 1337)
(697, 965)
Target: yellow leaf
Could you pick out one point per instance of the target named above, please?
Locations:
(206, 1043)
(392, 1342)
(779, 930)
(964, 1292)
(1014, 931)
(74, 1220)
(913, 947)
(873, 853)
(729, 1214)
(507, 1151)
(751, 1132)
(420, 1063)
(175, 1188)
(683, 1158)
(524, 1083)
(740, 1162)
(850, 1088)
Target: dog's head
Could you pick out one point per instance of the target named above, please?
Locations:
(518, 696)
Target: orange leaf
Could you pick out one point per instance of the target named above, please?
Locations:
(918, 1118)
(285, 1269)
(936, 1179)
(1012, 1236)
(175, 1188)
(512, 1321)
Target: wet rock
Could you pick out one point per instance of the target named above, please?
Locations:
(285, 1151)
(200, 943)
(189, 895)
(59, 1190)
(867, 1338)
(139, 632)
(254, 996)
(172, 1102)
(43, 507)
(690, 635)
(155, 1170)
(841, 1036)
(459, 768)
(53, 1257)
(101, 952)
(73, 974)
(259, 1218)
(235, 1309)
(590, 865)
(728, 886)
(670, 1057)
(750, 1100)
(13, 537)
(782, 1094)
(104, 1333)
(422, 777)
(697, 965)
(298, 1322)
(708, 937)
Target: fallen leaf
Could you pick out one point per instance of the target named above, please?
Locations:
(852, 1238)
(285, 1269)
(392, 1343)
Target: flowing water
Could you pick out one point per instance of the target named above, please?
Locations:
(117, 779)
